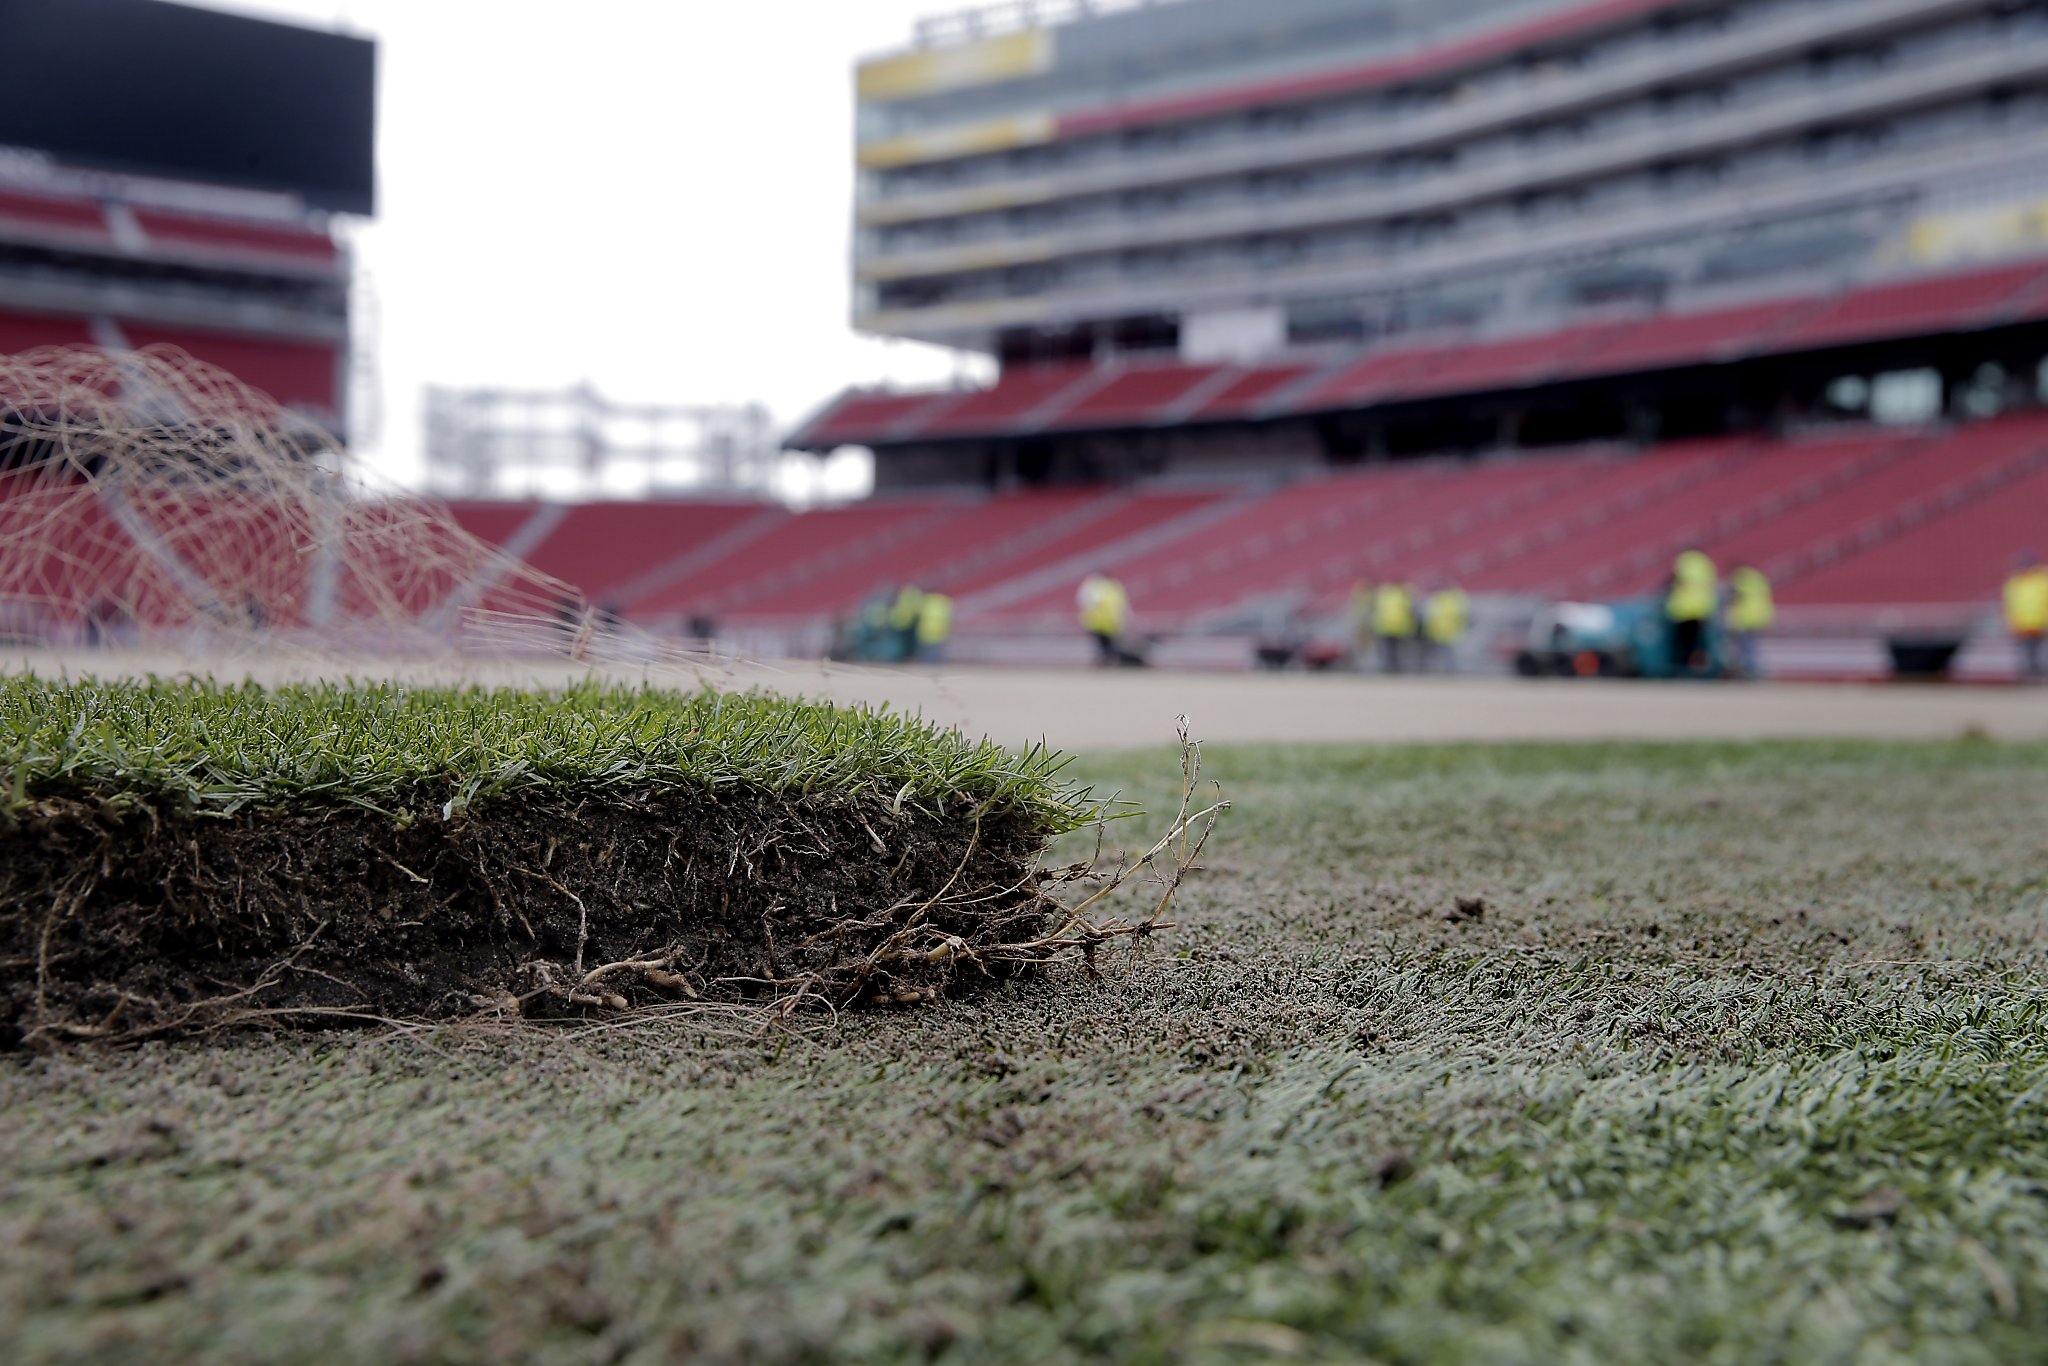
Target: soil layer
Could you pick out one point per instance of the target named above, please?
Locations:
(125, 919)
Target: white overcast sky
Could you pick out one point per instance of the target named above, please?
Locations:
(652, 196)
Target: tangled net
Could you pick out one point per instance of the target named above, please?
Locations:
(150, 498)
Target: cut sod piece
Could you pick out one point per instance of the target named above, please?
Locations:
(184, 855)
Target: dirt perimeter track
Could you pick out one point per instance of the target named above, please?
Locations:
(1086, 710)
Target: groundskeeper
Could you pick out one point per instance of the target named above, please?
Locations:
(1446, 616)
(1393, 621)
(2026, 612)
(1750, 611)
(1105, 613)
(1689, 603)
(934, 627)
(903, 613)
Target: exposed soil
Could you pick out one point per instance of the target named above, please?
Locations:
(124, 920)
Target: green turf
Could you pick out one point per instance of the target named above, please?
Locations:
(385, 745)
(1735, 1053)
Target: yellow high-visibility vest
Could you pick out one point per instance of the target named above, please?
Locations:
(1393, 611)
(1694, 588)
(1751, 609)
(1446, 615)
(2026, 602)
(903, 615)
(934, 619)
(1104, 605)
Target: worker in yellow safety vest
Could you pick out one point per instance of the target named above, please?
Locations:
(2026, 613)
(1750, 611)
(1105, 612)
(934, 627)
(1445, 617)
(1393, 621)
(903, 619)
(1689, 604)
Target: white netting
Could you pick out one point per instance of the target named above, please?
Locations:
(150, 498)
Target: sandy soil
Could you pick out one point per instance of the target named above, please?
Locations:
(1086, 710)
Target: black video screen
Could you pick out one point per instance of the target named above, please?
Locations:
(154, 88)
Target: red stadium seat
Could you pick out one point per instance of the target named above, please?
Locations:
(230, 238)
(1941, 303)
(26, 331)
(1023, 392)
(1146, 393)
(298, 374)
(47, 213)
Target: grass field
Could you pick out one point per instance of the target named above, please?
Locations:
(1500, 1053)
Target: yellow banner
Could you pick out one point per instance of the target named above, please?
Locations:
(1965, 234)
(962, 140)
(952, 68)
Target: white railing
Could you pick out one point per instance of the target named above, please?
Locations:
(1010, 16)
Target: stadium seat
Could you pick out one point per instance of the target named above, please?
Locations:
(1012, 404)
(1673, 339)
(856, 419)
(1940, 303)
(26, 331)
(298, 374)
(1247, 394)
(47, 214)
(809, 549)
(226, 237)
(1924, 471)
(1947, 535)
(1140, 394)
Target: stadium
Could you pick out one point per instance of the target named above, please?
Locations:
(483, 916)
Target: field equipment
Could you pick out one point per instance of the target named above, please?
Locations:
(1630, 638)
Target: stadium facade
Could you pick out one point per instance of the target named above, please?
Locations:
(175, 176)
(1298, 232)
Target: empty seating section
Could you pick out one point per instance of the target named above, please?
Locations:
(1864, 517)
(239, 239)
(298, 374)
(1636, 557)
(1248, 393)
(861, 418)
(980, 539)
(1943, 303)
(1370, 380)
(1313, 559)
(1501, 364)
(495, 523)
(1464, 528)
(1956, 557)
(605, 548)
(1142, 394)
(70, 217)
(1120, 520)
(1248, 551)
(809, 548)
(1920, 470)
(922, 553)
(26, 331)
(1011, 404)
(1686, 338)
(1076, 395)
(79, 543)
(1831, 517)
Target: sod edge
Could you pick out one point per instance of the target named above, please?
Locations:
(338, 852)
